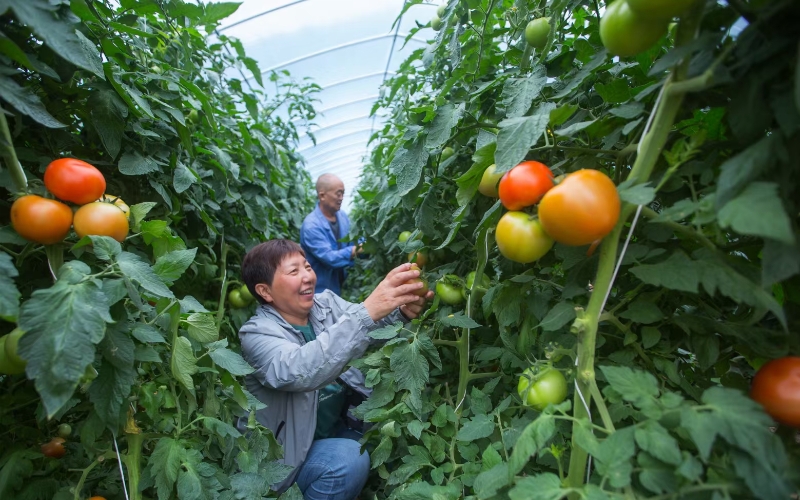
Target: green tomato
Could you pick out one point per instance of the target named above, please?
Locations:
(541, 389)
(245, 294)
(12, 344)
(193, 116)
(537, 31)
(8, 366)
(447, 153)
(64, 430)
(440, 12)
(489, 181)
(659, 9)
(404, 236)
(480, 289)
(625, 34)
(449, 294)
(235, 299)
(436, 23)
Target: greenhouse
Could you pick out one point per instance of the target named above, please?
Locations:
(400, 249)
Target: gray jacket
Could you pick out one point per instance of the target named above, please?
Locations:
(288, 371)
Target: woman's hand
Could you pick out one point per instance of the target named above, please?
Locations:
(394, 292)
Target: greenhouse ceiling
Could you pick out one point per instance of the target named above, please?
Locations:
(347, 47)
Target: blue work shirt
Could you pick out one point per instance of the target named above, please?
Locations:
(326, 255)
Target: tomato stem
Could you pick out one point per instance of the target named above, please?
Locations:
(10, 155)
(224, 285)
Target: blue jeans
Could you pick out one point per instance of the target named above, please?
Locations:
(334, 469)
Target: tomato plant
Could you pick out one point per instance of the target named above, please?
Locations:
(74, 180)
(541, 387)
(54, 448)
(489, 181)
(537, 31)
(625, 33)
(582, 209)
(449, 290)
(524, 185)
(41, 220)
(101, 219)
(776, 387)
(521, 238)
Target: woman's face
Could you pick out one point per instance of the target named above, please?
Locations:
(292, 289)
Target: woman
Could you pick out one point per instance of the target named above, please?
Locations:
(299, 344)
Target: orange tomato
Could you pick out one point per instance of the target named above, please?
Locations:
(54, 448)
(41, 220)
(101, 219)
(582, 209)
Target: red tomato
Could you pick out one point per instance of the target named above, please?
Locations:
(40, 219)
(521, 238)
(777, 387)
(74, 180)
(101, 219)
(525, 184)
(582, 209)
(54, 448)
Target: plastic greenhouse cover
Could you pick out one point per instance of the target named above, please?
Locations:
(349, 48)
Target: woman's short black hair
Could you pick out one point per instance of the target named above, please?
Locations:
(262, 260)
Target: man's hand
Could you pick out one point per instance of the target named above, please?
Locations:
(394, 292)
(357, 249)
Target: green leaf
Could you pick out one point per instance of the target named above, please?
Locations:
(26, 103)
(164, 464)
(202, 327)
(139, 211)
(110, 390)
(411, 372)
(758, 211)
(293, 493)
(638, 387)
(480, 426)
(558, 316)
(447, 117)
(215, 12)
(183, 363)
(133, 163)
(494, 476)
(613, 457)
(779, 261)
(518, 135)
(539, 487)
(534, 438)
(108, 115)
(519, 93)
(650, 336)
(616, 91)
(12, 50)
(459, 320)
(640, 194)
(231, 361)
(183, 178)
(653, 438)
(738, 172)
(171, 266)
(105, 248)
(580, 75)
(147, 334)
(9, 294)
(407, 167)
(387, 332)
(63, 325)
(138, 270)
(642, 311)
(381, 453)
(59, 34)
(415, 428)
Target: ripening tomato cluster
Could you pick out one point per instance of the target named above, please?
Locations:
(629, 27)
(579, 210)
(48, 221)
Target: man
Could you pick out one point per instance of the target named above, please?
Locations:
(322, 229)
